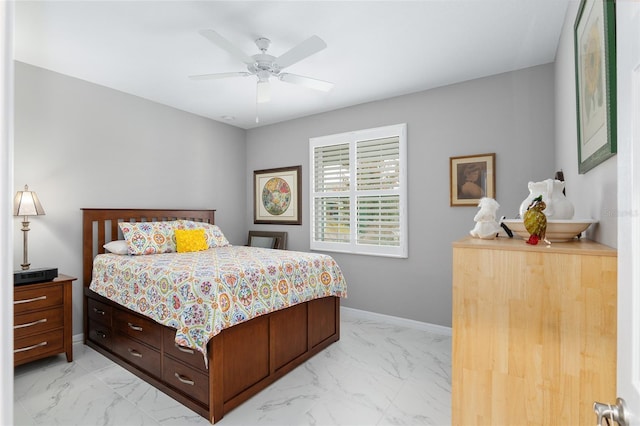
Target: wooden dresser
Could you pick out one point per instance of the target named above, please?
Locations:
(534, 331)
(42, 320)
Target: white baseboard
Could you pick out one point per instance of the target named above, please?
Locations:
(77, 338)
(433, 328)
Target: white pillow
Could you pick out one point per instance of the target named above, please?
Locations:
(117, 247)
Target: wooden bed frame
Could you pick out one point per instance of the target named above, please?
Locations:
(243, 359)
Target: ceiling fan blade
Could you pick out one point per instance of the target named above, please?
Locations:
(305, 49)
(225, 44)
(219, 75)
(263, 92)
(309, 82)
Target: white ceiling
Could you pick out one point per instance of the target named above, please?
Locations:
(376, 49)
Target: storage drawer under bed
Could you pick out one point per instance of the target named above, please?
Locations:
(100, 334)
(187, 380)
(138, 327)
(189, 356)
(100, 312)
(138, 354)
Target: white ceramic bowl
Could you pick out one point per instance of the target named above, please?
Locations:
(557, 230)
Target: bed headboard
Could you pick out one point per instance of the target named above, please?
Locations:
(99, 226)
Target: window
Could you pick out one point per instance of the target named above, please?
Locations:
(358, 192)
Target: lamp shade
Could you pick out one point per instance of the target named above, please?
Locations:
(27, 203)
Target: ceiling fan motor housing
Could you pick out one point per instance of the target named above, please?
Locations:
(263, 63)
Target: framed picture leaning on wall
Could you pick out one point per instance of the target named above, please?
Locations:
(595, 62)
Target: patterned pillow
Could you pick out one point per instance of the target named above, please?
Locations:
(188, 240)
(212, 233)
(149, 237)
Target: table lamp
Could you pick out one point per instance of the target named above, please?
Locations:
(26, 203)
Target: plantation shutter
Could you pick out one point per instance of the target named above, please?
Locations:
(358, 192)
(331, 182)
(378, 181)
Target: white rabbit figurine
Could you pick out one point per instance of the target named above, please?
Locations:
(486, 225)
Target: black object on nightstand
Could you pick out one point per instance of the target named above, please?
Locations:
(37, 275)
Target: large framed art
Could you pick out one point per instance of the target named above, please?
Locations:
(277, 195)
(595, 62)
(471, 177)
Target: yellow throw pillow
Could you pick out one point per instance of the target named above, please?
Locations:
(190, 240)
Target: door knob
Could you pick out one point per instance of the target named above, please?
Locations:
(611, 413)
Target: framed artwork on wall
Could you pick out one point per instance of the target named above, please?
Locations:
(277, 195)
(471, 177)
(595, 62)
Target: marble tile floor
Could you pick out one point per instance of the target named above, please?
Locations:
(379, 373)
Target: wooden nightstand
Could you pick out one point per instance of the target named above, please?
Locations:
(42, 320)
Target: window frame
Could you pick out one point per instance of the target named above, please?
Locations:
(352, 138)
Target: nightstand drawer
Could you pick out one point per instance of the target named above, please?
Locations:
(138, 354)
(37, 322)
(187, 355)
(38, 345)
(190, 381)
(39, 297)
(100, 334)
(99, 311)
(143, 329)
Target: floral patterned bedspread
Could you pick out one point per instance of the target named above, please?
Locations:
(202, 293)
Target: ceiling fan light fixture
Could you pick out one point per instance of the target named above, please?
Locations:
(263, 92)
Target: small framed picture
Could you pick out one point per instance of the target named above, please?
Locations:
(471, 178)
(277, 195)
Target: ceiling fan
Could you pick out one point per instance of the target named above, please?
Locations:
(265, 66)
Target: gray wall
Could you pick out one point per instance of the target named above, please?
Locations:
(511, 114)
(82, 145)
(594, 194)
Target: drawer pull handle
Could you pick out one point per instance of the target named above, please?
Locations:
(185, 380)
(35, 299)
(134, 327)
(135, 353)
(98, 311)
(183, 349)
(101, 334)
(28, 348)
(43, 320)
